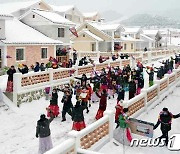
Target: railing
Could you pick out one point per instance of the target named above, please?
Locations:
(27, 86)
(100, 132)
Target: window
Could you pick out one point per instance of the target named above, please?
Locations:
(19, 54)
(43, 53)
(131, 45)
(125, 46)
(60, 32)
(33, 16)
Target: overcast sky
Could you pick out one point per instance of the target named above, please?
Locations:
(125, 7)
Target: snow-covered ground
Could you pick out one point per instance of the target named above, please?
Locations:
(172, 103)
(18, 126)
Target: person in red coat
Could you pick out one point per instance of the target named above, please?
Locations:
(102, 104)
(119, 110)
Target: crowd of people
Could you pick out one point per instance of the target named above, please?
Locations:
(107, 84)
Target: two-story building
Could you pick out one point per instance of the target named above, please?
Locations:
(20, 43)
(50, 24)
(18, 9)
(156, 36)
(92, 16)
(113, 30)
(69, 12)
(91, 39)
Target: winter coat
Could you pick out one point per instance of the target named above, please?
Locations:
(165, 120)
(23, 70)
(140, 83)
(121, 94)
(119, 110)
(10, 73)
(42, 68)
(42, 129)
(83, 80)
(132, 86)
(151, 76)
(54, 100)
(123, 121)
(77, 113)
(103, 101)
(36, 69)
(67, 102)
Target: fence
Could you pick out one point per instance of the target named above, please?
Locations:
(93, 137)
(31, 86)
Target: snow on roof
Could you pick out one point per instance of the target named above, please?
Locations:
(90, 14)
(132, 30)
(15, 6)
(92, 35)
(19, 33)
(63, 8)
(53, 17)
(145, 36)
(105, 26)
(150, 32)
(129, 38)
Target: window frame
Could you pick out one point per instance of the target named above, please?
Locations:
(41, 53)
(132, 46)
(125, 46)
(59, 34)
(23, 54)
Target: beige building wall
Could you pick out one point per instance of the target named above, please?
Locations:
(32, 54)
(83, 43)
(128, 46)
(96, 32)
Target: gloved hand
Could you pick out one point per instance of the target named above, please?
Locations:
(37, 136)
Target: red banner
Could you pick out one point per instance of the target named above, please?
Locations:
(73, 31)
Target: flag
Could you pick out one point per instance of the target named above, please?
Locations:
(73, 31)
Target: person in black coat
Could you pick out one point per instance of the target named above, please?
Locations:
(10, 74)
(74, 57)
(132, 89)
(83, 79)
(44, 133)
(24, 70)
(140, 84)
(151, 77)
(121, 94)
(165, 119)
(67, 105)
(36, 68)
(54, 99)
(42, 67)
(78, 117)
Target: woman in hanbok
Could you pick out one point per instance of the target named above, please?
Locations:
(123, 133)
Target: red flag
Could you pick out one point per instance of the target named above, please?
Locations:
(73, 31)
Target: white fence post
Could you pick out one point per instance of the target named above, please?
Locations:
(149, 56)
(110, 115)
(167, 75)
(145, 102)
(75, 135)
(158, 83)
(17, 77)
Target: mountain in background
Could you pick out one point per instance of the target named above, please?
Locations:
(110, 15)
(147, 20)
